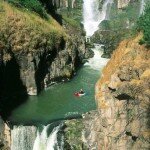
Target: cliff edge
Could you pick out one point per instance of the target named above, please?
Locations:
(123, 98)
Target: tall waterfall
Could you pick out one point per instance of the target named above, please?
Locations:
(51, 142)
(30, 138)
(23, 137)
(142, 6)
(92, 16)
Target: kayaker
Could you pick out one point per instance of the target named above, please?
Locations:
(81, 91)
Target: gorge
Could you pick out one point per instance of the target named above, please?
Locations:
(51, 60)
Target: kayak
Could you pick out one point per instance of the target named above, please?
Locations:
(77, 94)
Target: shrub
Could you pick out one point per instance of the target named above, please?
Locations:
(32, 5)
(143, 25)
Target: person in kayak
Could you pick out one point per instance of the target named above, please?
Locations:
(81, 91)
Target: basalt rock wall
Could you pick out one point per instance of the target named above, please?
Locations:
(123, 100)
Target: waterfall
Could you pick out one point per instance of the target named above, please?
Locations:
(97, 62)
(22, 137)
(51, 142)
(92, 16)
(142, 6)
(31, 138)
(41, 139)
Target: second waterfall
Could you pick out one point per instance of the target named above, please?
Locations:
(93, 16)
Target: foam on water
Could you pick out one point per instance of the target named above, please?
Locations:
(45, 142)
(97, 62)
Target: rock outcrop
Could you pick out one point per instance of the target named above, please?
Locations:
(41, 51)
(123, 99)
(5, 137)
(123, 3)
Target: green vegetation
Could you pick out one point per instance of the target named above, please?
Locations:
(32, 5)
(120, 25)
(73, 16)
(73, 134)
(25, 31)
(144, 26)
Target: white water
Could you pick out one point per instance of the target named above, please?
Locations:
(97, 62)
(92, 16)
(22, 137)
(142, 6)
(45, 142)
(52, 141)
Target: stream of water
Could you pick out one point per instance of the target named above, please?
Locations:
(142, 6)
(58, 101)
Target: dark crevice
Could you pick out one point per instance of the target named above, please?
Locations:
(12, 90)
(122, 80)
(51, 8)
(43, 67)
(62, 44)
(111, 89)
(134, 138)
(128, 133)
(124, 97)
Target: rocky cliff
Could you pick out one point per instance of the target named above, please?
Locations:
(39, 51)
(123, 99)
(122, 121)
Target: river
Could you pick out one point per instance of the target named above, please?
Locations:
(58, 101)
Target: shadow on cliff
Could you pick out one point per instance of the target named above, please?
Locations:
(12, 91)
(51, 8)
(43, 67)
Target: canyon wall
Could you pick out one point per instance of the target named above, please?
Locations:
(123, 99)
(40, 52)
(122, 120)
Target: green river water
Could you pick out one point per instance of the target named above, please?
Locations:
(58, 101)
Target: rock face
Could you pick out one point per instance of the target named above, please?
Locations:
(40, 54)
(123, 3)
(5, 138)
(123, 99)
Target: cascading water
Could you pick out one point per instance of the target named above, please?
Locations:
(97, 62)
(51, 142)
(92, 16)
(29, 138)
(142, 6)
(23, 137)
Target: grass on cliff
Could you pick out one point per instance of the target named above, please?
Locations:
(22, 30)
